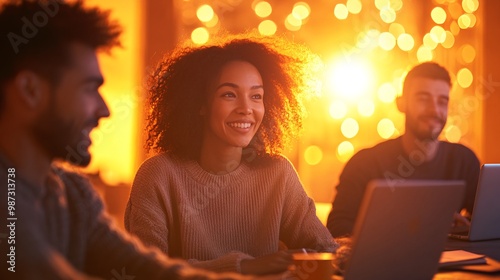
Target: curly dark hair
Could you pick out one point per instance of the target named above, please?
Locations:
(35, 35)
(179, 88)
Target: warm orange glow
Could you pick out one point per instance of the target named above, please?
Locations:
(454, 28)
(338, 109)
(424, 53)
(366, 108)
(387, 93)
(467, 53)
(350, 79)
(115, 140)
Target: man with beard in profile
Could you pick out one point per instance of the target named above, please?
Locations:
(417, 154)
(54, 225)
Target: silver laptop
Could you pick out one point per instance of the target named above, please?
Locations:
(485, 219)
(402, 229)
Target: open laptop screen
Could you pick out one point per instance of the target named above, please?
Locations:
(402, 228)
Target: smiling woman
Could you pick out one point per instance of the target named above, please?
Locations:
(219, 193)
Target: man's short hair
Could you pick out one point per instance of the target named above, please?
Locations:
(35, 35)
(429, 70)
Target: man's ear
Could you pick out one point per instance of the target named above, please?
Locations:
(401, 103)
(31, 88)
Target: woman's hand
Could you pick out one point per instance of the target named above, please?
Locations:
(268, 264)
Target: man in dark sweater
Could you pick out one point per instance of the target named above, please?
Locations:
(417, 154)
(54, 225)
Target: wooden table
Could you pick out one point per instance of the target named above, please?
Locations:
(490, 248)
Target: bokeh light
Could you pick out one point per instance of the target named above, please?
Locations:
(385, 128)
(424, 53)
(267, 28)
(406, 42)
(387, 93)
(470, 6)
(380, 4)
(396, 29)
(454, 28)
(467, 53)
(338, 110)
(205, 13)
(449, 41)
(200, 36)
(386, 41)
(263, 9)
(341, 11)
(292, 23)
(354, 6)
(349, 128)
(464, 77)
(388, 15)
(438, 15)
(438, 34)
(429, 42)
(301, 10)
(366, 108)
(313, 155)
(464, 21)
(345, 150)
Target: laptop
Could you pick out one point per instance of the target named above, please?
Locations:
(485, 219)
(402, 228)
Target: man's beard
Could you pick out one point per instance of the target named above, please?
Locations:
(412, 126)
(60, 138)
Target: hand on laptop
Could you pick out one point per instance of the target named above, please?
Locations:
(460, 223)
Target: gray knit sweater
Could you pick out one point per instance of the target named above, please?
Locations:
(62, 232)
(215, 221)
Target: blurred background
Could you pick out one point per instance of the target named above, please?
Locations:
(367, 46)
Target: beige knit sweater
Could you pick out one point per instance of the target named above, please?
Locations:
(215, 221)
